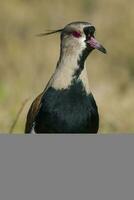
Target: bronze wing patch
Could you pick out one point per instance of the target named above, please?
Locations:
(32, 113)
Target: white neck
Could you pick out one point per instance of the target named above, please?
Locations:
(66, 67)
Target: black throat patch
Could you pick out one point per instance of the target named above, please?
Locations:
(81, 62)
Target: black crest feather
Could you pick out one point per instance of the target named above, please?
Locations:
(49, 33)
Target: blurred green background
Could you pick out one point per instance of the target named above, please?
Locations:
(27, 62)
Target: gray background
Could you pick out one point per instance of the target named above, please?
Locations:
(67, 167)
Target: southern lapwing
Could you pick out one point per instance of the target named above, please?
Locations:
(67, 104)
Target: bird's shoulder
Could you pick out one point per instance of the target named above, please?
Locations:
(35, 106)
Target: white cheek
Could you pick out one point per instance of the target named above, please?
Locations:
(82, 41)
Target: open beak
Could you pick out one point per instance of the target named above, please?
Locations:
(96, 45)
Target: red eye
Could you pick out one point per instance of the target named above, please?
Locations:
(76, 34)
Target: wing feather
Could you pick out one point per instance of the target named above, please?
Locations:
(32, 113)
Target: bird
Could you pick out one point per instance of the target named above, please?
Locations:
(67, 104)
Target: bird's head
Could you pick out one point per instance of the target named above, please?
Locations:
(78, 37)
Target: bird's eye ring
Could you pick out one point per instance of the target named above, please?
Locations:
(76, 34)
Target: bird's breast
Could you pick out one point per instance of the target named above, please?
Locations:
(66, 110)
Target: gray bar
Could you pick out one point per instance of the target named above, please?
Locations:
(67, 167)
